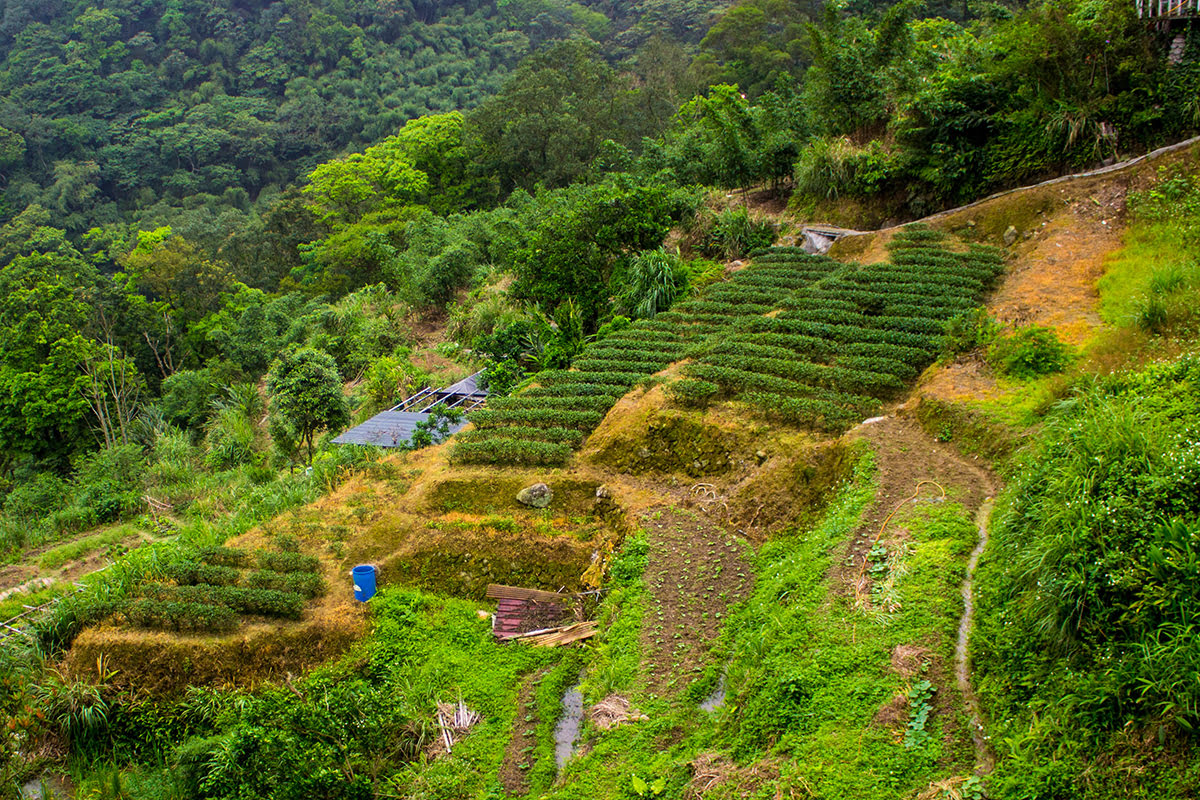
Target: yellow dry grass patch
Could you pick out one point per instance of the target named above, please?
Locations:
(736, 469)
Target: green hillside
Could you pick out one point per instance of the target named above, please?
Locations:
(911, 518)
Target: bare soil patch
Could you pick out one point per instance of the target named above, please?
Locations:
(697, 570)
(907, 659)
(13, 576)
(1053, 278)
(966, 379)
(514, 769)
(762, 201)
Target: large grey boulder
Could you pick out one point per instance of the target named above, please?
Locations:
(537, 496)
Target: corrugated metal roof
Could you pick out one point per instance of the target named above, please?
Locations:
(468, 385)
(394, 428)
(389, 429)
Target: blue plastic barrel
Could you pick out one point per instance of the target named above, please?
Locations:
(364, 582)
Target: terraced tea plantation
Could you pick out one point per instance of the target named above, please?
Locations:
(545, 423)
(221, 585)
(844, 344)
(800, 338)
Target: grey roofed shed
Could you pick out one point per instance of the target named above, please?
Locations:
(394, 427)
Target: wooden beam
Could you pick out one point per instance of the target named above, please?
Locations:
(567, 634)
(497, 591)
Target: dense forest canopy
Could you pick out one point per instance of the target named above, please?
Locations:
(121, 111)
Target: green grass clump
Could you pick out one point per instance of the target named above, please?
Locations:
(808, 671)
(1029, 351)
(1087, 602)
(73, 551)
(16, 604)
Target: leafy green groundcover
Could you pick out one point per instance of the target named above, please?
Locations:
(1087, 645)
(360, 728)
(806, 676)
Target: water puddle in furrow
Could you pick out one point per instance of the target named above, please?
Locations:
(566, 732)
(717, 698)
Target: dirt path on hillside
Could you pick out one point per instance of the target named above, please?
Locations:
(906, 455)
(696, 572)
(518, 756)
(985, 759)
(1060, 258)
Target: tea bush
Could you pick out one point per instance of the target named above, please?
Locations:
(224, 556)
(244, 600)
(304, 583)
(190, 617)
(287, 562)
(511, 451)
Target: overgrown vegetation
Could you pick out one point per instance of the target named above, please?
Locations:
(1092, 544)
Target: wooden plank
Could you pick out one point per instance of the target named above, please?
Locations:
(564, 635)
(498, 591)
